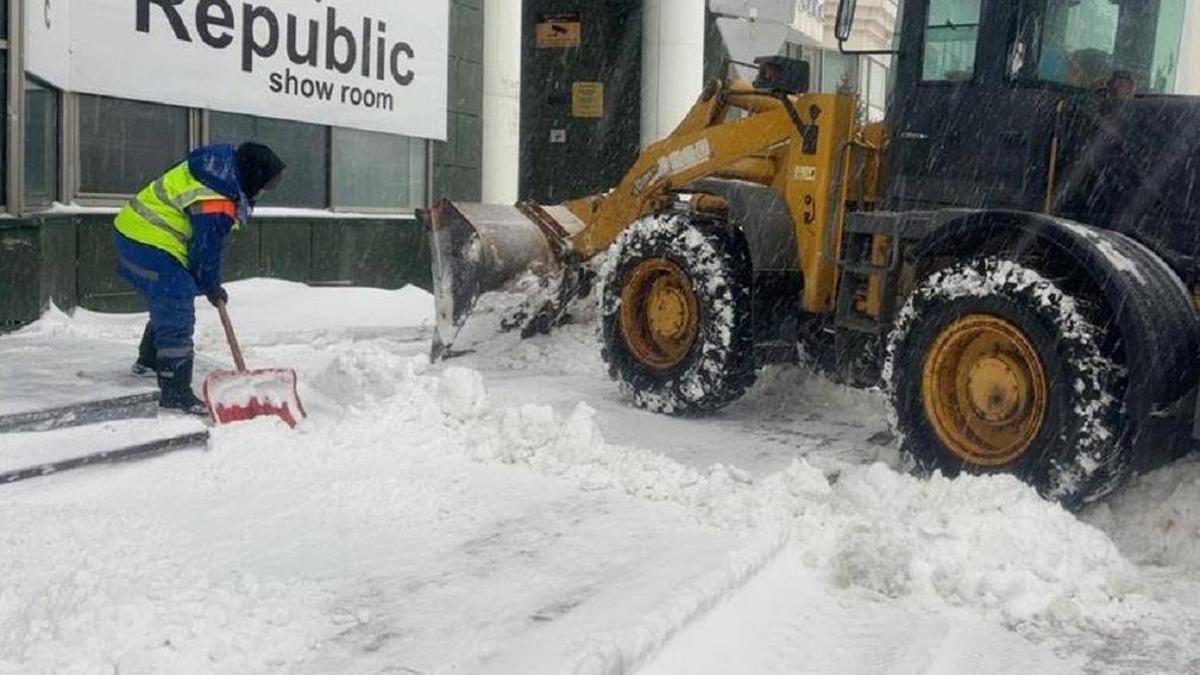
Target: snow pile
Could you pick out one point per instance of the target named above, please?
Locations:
(461, 394)
(570, 448)
(573, 449)
(54, 322)
(985, 542)
(988, 542)
(367, 373)
(1155, 520)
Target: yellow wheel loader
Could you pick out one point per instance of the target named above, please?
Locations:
(1011, 255)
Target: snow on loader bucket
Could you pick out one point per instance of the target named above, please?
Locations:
(499, 269)
(241, 395)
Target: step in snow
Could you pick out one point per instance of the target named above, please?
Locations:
(39, 453)
(141, 405)
(52, 380)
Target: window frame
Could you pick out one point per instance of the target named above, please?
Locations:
(979, 40)
(199, 134)
(426, 198)
(72, 145)
(59, 122)
(1028, 75)
(14, 149)
(328, 133)
(1034, 69)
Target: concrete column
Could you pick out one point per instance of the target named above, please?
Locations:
(672, 63)
(501, 100)
(1189, 53)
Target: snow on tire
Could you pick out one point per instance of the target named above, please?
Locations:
(1079, 453)
(716, 365)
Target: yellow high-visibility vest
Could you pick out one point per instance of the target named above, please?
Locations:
(158, 216)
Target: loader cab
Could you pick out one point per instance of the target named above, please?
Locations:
(982, 88)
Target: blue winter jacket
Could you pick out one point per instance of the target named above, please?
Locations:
(155, 272)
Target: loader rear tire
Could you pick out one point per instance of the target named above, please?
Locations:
(993, 368)
(675, 308)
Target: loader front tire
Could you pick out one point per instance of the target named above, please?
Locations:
(675, 311)
(993, 368)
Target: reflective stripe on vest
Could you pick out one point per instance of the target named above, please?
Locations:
(158, 216)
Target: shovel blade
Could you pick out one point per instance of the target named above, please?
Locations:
(234, 396)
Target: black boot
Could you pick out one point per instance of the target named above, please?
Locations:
(147, 361)
(175, 383)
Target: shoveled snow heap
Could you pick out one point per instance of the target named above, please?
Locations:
(985, 543)
(988, 542)
(1156, 519)
(130, 588)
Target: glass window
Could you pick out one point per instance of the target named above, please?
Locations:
(877, 93)
(1167, 45)
(3, 20)
(951, 40)
(123, 145)
(373, 170)
(3, 127)
(1085, 42)
(41, 143)
(837, 73)
(303, 147)
(875, 90)
(1078, 40)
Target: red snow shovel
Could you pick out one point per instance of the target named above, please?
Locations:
(237, 396)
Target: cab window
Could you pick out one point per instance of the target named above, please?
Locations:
(1079, 38)
(951, 40)
(1090, 43)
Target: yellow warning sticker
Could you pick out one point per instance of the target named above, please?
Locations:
(587, 99)
(559, 31)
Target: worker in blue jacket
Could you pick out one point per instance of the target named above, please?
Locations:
(169, 240)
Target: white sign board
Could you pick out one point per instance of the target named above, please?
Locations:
(48, 41)
(379, 65)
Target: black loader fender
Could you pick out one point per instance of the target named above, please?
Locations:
(1144, 300)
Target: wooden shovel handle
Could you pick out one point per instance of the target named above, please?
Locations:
(231, 338)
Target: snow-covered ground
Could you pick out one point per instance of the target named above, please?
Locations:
(508, 512)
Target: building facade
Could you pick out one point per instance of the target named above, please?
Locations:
(76, 147)
(640, 64)
(539, 99)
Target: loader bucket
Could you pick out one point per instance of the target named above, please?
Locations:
(497, 270)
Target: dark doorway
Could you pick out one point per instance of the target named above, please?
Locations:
(580, 96)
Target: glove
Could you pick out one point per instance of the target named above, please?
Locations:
(217, 296)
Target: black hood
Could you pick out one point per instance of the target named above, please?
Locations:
(258, 165)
